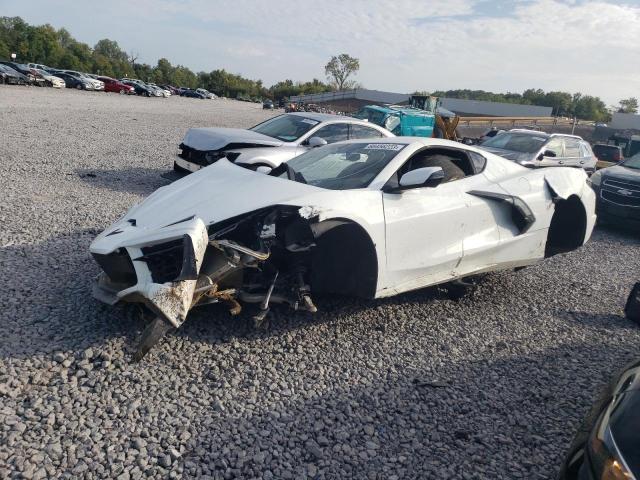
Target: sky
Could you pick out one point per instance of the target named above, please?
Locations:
(403, 45)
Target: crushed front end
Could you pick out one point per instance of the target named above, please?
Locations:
(261, 257)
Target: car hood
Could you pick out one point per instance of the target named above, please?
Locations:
(206, 139)
(508, 154)
(215, 193)
(621, 172)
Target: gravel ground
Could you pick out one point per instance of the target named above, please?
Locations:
(491, 385)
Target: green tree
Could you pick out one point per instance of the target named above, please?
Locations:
(628, 105)
(340, 68)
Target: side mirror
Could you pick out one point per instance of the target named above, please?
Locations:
(316, 142)
(547, 153)
(422, 177)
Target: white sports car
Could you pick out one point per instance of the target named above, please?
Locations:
(370, 218)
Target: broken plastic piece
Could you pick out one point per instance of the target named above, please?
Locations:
(151, 335)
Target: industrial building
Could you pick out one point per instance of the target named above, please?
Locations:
(352, 100)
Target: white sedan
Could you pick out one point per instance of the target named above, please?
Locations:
(369, 218)
(268, 144)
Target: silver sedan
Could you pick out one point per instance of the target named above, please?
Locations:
(272, 142)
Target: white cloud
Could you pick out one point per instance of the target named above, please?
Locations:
(403, 45)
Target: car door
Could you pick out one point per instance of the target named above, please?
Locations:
(572, 153)
(555, 145)
(430, 231)
(423, 235)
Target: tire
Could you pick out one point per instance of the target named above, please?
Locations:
(122, 91)
(79, 86)
(147, 94)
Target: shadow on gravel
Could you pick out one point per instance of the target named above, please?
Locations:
(138, 180)
(46, 301)
(625, 232)
(510, 416)
(599, 321)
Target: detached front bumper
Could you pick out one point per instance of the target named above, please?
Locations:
(159, 272)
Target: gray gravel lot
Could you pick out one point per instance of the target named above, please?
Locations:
(418, 386)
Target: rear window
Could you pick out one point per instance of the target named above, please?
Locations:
(517, 142)
(607, 152)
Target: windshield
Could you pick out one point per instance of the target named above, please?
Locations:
(287, 128)
(516, 142)
(342, 166)
(633, 162)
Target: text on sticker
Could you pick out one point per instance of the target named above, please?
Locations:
(395, 147)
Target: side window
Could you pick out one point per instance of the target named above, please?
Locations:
(584, 149)
(336, 132)
(571, 148)
(556, 145)
(479, 162)
(360, 131)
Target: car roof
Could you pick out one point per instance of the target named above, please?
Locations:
(321, 117)
(423, 141)
(540, 133)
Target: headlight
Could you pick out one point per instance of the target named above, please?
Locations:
(605, 457)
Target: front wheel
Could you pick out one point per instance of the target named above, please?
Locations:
(122, 91)
(79, 87)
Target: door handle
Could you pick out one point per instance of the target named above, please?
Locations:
(561, 162)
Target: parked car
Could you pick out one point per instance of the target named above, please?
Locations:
(172, 89)
(26, 71)
(164, 92)
(618, 192)
(85, 82)
(113, 85)
(492, 132)
(206, 93)
(291, 134)
(13, 77)
(138, 88)
(39, 66)
(192, 94)
(607, 444)
(52, 80)
(368, 218)
(533, 149)
(607, 155)
(267, 105)
(71, 81)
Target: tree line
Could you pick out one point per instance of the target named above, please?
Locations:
(57, 48)
(563, 104)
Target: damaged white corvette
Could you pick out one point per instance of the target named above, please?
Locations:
(369, 218)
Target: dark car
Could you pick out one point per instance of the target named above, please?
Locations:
(70, 80)
(24, 70)
(267, 105)
(607, 445)
(138, 87)
(618, 192)
(9, 75)
(608, 155)
(192, 94)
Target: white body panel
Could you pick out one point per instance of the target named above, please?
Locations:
(421, 236)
